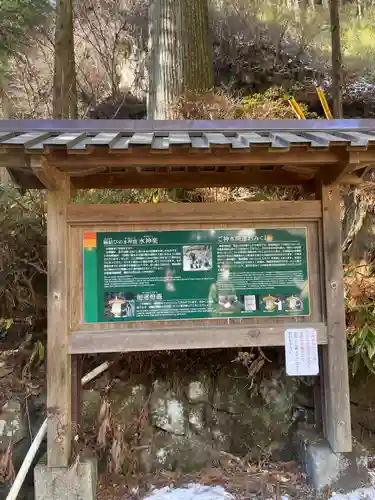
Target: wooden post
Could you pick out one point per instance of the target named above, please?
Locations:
(59, 434)
(76, 393)
(335, 360)
(5, 178)
(318, 404)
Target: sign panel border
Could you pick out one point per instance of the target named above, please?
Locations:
(90, 283)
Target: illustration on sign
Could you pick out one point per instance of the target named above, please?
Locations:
(163, 275)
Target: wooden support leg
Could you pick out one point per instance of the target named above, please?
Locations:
(59, 434)
(319, 396)
(335, 361)
(76, 393)
(318, 414)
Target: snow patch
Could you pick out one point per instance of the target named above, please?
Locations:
(360, 494)
(191, 492)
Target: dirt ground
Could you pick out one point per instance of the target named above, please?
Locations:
(271, 482)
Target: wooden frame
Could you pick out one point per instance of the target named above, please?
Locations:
(237, 336)
(319, 216)
(198, 333)
(61, 156)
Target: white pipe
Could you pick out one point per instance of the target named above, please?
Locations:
(26, 464)
(28, 460)
(95, 372)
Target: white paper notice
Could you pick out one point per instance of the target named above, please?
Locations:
(301, 352)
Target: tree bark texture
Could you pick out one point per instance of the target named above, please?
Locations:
(64, 81)
(6, 114)
(197, 50)
(164, 59)
(180, 53)
(336, 58)
(357, 237)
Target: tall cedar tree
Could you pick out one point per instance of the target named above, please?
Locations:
(180, 53)
(64, 79)
(336, 58)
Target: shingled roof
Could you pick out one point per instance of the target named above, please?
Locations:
(117, 153)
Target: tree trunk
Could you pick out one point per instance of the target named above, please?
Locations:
(359, 9)
(357, 234)
(197, 50)
(164, 59)
(64, 80)
(336, 59)
(6, 114)
(180, 53)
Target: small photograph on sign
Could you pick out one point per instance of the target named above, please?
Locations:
(228, 303)
(197, 258)
(293, 304)
(119, 305)
(272, 303)
(249, 302)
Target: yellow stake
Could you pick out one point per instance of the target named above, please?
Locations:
(297, 109)
(324, 103)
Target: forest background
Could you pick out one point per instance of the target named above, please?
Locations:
(101, 59)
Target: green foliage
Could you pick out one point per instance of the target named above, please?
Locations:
(41, 351)
(360, 317)
(5, 324)
(23, 255)
(271, 104)
(362, 341)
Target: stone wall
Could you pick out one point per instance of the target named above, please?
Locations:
(187, 410)
(178, 411)
(174, 419)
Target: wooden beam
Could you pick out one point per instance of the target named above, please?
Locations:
(5, 177)
(336, 173)
(347, 180)
(59, 434)
(335, 369)
(362, 157)
(9, 162)
(17, 159)
(100, 341)
(186, 180)
(362, 171)
(182, 157)
(46, 173)
(193, 212)
(194, 180)
(351, 180)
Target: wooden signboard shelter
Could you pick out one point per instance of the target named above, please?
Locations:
(62, 156)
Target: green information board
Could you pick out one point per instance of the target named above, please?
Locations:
(166, 275)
